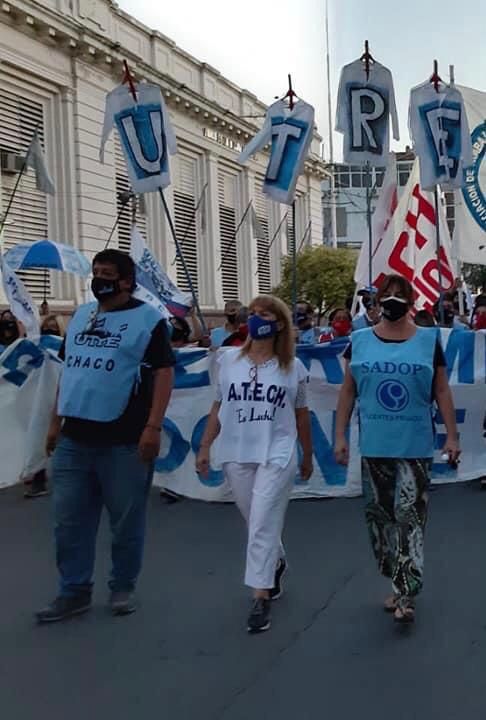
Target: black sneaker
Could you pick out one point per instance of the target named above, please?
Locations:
(259, 617)
(64, 607)
(277, 590)
(170, 496)
(38, 486)
(122, 602)
(35, 492)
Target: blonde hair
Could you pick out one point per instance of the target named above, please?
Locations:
(60, 320)
(284, 344)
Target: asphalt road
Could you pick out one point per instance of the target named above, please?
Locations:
(331, 652)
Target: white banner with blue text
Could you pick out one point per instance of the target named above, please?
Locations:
(29, 371)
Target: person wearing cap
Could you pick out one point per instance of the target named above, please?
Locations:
(371, 315)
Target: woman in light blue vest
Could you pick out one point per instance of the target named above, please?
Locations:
(396, 370)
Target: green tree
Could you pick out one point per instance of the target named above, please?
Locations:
(324, 277)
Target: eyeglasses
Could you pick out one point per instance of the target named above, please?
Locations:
(253, 372)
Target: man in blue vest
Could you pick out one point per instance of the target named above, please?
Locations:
(105, 434)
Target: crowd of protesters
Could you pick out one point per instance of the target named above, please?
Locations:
(105, 431)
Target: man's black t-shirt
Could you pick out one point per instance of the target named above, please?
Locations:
(127, 429)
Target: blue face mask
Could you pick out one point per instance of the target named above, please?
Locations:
(261, 329)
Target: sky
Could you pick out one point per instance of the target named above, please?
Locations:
(261, 41)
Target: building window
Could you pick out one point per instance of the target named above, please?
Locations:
(379, 176)
(27, 222)
(357, 180)
(262, 239)
(341, 222)
(227, 185)
(404, 169)
(185, 202)
(342, 177)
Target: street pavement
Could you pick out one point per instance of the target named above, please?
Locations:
(331, 652)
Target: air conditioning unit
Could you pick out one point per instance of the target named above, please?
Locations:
(11, 163)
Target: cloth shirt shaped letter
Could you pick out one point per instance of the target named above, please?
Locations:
(146, 135)
(440, 133)
(290, 134)
(364, 108)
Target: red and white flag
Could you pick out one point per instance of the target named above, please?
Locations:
(408, 245)
(386, 206)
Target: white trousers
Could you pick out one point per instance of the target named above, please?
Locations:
(262, 493)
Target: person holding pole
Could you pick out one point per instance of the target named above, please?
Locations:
(259, 415)
(396, 370)
(105, 435)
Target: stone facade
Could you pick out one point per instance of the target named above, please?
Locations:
(58, 59)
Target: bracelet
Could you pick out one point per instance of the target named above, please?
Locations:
(153, 427)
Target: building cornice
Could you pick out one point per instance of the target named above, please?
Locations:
(79, 38)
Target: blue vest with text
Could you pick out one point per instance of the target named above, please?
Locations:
(103, 355)
(394, 385)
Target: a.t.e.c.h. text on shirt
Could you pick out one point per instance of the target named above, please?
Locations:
(257, 413)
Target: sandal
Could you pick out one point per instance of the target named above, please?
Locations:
(404, 612)
(391, 603)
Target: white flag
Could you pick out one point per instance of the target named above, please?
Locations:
(146, 135)
(21, 302)
(35, 160)
(470, 200)
(408, 246)
(385, 207)
(151, 277)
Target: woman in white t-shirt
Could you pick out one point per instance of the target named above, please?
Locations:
(260, 413)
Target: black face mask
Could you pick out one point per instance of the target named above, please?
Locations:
(47, 331)
(303, 321)
(394, 308)
(231, 318)
(448, 316)
(368, 303)
(8, 331)
(104, 289)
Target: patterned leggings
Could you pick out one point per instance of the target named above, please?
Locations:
(396, 512)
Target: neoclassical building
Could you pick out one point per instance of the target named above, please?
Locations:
(58, 59)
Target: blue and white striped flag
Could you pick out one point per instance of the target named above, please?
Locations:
(20, 300)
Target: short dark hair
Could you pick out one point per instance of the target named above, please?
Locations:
(333, 314)
(310, 308)
(122, 261)
(424, 319)
(446, 297)
(403, 285)
(242, 315)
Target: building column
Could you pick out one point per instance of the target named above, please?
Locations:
(246, 246)
(210, 284)
(279, 247)
(63, 214)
